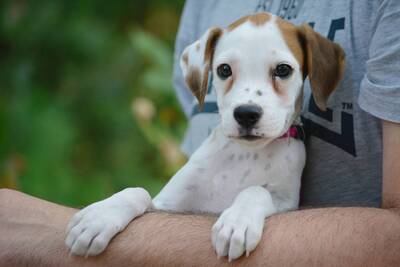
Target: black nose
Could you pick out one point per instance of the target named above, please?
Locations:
(247, 115)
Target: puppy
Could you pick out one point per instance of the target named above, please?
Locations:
(250, 166)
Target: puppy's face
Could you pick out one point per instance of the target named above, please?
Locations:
(259, 64)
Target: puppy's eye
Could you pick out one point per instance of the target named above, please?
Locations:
(282, 71)
(224, 71)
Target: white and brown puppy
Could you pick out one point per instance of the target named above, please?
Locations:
(243, 170)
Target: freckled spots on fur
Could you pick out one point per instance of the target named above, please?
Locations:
(255, 156)
(240, 157)
(288, 158)
(191, 188)
(225, 146)
(259, 93)
(247, 155)
(231, 157)
(267, 166)
(245, 175)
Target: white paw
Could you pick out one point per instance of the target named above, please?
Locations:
(91, 229)
(236, 232)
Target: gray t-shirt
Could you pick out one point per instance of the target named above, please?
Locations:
(344, 144)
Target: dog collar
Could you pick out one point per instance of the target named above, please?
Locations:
(294, 132)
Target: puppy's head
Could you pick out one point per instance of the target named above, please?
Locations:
(259, 64)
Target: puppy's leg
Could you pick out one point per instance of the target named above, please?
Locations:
(91, 229)
(240, 227)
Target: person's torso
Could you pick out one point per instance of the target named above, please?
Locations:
(344, 143)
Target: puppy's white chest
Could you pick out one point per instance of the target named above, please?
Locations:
(221, 169)
(234, 172)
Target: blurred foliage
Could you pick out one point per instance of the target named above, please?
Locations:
(86, 99)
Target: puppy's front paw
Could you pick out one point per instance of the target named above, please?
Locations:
(235, 232)
(91, 229)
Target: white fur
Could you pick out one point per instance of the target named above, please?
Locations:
(244, 181)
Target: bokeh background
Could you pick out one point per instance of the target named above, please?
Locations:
(87, 106)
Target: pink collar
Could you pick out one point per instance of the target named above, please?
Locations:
(292, 132)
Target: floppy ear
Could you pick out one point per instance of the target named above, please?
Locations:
(324, 64)
(196, 62)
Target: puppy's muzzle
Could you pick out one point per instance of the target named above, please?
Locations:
(247, 115)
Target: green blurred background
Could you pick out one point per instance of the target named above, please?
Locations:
(87, 106)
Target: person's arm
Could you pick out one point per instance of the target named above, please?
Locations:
(32, 233)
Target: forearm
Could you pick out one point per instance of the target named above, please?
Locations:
(32, 232)
(335, 236)
(328, 237)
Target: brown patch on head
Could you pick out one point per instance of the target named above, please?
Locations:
(319, 58)
(257, 19)
(291, 35)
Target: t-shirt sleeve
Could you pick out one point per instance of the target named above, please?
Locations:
(187, 34)
(380, 87)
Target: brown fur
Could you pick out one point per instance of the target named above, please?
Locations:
(211, 43)
(208, 55)
(291, 35)
(325, 63)
(185, 58)
(193, 80)
(198, 83)
(258, 19)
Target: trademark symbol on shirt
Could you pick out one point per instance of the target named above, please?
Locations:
(347, 106)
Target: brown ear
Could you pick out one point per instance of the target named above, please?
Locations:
(324, 64)
(196, 62)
